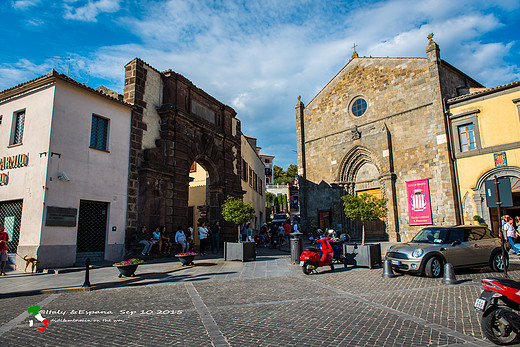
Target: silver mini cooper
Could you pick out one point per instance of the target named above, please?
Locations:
(432, 247)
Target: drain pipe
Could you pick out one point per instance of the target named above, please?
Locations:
(447, 125)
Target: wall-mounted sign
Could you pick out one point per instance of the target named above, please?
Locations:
(504, 192)
(418, 196)
(4, 179)
(500, 159)
(14, 161)
(61, 217)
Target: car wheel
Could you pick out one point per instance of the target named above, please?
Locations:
(497, 261)
(433, 267)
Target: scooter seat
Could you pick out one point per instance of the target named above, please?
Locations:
(312, 249)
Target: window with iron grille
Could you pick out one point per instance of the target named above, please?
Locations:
(99, 133)
(18, 124)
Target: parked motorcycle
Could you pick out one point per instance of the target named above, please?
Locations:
(499, 305)
(314, 257)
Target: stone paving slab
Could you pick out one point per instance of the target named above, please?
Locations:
(264, 303)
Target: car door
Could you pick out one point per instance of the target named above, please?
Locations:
(459, 254)
(484, 243)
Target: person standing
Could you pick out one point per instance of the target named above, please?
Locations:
(142, 239)
(249, 232)
(511, 234)
(287, 232)
(243, 232)
(4, 238)
(203, 237)
(215, 237)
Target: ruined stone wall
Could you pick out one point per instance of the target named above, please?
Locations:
(174, 124)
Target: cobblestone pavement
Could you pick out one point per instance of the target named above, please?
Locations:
(264, 303)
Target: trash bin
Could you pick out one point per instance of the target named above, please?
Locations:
(296, 247)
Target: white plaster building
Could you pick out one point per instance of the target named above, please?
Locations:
(64, 157)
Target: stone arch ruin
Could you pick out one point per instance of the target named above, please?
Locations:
(174, 124)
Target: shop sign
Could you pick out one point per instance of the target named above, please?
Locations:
(419, 208)
(61, 217)
(14, 161)
(4, 179)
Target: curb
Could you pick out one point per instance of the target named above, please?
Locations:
(119, 283)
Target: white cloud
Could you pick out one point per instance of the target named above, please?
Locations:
(21, 71)
(90, 11)
(259, 55)
(23, 5)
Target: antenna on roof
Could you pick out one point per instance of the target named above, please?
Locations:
(61, 58)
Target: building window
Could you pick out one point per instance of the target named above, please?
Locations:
(99, 133)
(250, 177)
(467, 137)
(267, 161)
(18, 123)
(244, 170)
(358, 107)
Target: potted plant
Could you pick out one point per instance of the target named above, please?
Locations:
(238, 212)
(127, 267)
(476, 219)
(363, 207)
(186, 258)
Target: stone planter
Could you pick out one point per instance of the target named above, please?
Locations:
(127, 270)
(186, 259)
(239, 251)
(362, 255)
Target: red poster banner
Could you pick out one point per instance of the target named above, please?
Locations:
(419, 208)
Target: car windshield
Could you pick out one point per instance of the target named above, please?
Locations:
(431, 235)
(280, 216)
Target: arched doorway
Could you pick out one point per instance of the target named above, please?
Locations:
(360, 173)
(490, 215)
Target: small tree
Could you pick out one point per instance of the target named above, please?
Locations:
(364, 207)
(238, 212)
(284, 203)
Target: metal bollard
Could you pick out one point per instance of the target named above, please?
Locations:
(86, 284)
(296, 247)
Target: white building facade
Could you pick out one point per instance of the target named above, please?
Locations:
(64, 157)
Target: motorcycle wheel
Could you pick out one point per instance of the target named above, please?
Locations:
(307, 268)
(495, 331)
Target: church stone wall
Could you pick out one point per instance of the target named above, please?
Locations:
(403, 129)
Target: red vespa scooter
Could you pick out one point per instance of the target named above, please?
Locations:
(313, 257)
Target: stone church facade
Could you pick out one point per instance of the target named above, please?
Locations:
(379, 123)
(175, 124)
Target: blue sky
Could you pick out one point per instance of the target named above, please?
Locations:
(256, 56)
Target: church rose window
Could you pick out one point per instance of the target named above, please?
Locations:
(358, 107)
